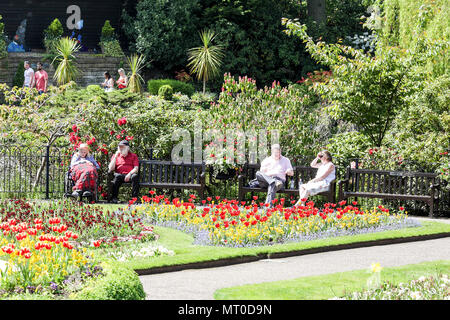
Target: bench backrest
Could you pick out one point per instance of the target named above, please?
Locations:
(390, 182)
(155, 171)
(306, 173)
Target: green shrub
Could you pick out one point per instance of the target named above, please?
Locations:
(112, 48)
(119, 283)
(3, 51)
(178, 86)
(52, 35)
(166, 92)
(19, 76)
(109, 43)
(203, 100)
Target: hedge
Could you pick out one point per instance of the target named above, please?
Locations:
(178, 86)
(119, 283)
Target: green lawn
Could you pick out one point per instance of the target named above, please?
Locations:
(186, 252)
(330, 285)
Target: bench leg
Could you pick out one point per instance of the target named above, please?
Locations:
(431, 208)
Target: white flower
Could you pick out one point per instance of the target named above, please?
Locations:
(415, 295)
(422, 279)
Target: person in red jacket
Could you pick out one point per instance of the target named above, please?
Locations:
(125, 166)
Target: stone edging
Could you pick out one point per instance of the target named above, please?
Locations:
(246, 259)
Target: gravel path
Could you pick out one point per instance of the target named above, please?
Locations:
(200, 284)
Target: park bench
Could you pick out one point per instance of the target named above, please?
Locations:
(160, 174)
(400, 185)
(305, 173)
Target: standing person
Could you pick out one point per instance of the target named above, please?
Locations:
(122, 82)
(326, 173)
(41, 79)
(272, 173)
(28, 81)
(108, 84)
(125, 166)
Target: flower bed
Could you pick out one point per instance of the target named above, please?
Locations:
(231, 223)
(91, 223)
(424, 288)
(37, 260)
(48, 248)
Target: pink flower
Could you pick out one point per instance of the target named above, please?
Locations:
(122, 121)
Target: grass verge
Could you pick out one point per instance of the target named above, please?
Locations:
(330, 285)
(186, 252)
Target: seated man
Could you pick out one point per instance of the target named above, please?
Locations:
(272, 173)
(125, 166)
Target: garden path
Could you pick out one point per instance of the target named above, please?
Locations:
(200, 284)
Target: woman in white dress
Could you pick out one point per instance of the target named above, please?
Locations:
(326, 173)
(108, 84)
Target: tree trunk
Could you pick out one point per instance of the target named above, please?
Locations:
(204, 86)
(317, 10)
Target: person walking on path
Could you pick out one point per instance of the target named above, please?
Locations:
(41, 79)
(28, 75)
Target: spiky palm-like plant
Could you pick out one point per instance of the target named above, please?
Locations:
(136, 63)
(205, 61)
(66, 70)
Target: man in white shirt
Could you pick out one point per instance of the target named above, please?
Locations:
(28, 75)
(272, 173)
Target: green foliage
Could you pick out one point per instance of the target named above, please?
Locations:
(178, 86)
(166, 92)
(367, 91)
(109, 43)
(112, 49)
(400, 17)
(65, 58)
(107, 32)
(19, 76)
(119, 283)
(293, 112)
(3, 51)
(348, 145)
(421, 131)
(52, 35)
(136, 64)
(205, 61)
(162, 30)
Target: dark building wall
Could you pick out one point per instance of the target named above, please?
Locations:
(40, 14)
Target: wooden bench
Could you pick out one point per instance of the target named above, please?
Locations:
(306, 173)
(399, 185)
(169, 175)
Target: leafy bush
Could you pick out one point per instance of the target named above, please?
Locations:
(19, 77)
(203, 100)
(178, 86)
(119, 283)
(52, 35)
(109, 43)
(166, 92)
(3, 51)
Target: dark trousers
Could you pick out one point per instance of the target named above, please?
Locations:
(117, 182)
(269, 182)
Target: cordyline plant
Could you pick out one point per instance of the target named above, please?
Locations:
(205, 61)
(66, 70)
(136, 64)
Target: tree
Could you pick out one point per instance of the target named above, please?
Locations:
(205, 60)
(367, 90)
(317, 10)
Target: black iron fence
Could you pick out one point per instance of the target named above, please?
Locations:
(37, 172)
